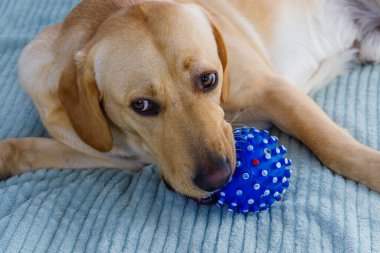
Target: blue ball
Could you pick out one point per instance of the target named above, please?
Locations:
(261, 176)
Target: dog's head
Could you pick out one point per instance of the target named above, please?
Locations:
(155, 72)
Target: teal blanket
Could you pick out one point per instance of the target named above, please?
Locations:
(115, 211)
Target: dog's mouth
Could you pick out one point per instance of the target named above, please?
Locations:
(206, 200)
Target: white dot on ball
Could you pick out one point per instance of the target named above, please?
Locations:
(223, 194)
(265, 141)
(267, 192)
(250, 148)
(233, 204)
(283, 191)
(250, 136)
(220, 202)
(245, 176)
(256, 186)
(278, 151)
(262, 205)
(251, 201)
(238, 164)
(276, 194)
(268, 156)
(284, 179)
(278, 165)
(239, 192)
(264, 173)
(275, 180)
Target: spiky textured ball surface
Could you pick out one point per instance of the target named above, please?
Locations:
(261, 174)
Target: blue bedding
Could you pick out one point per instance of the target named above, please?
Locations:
(115, 211)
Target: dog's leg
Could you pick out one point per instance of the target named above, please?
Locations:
(295, 113)
(26, 154)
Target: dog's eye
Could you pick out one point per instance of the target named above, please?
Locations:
(145, 107)
(208, 81)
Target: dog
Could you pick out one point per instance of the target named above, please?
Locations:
(126, 83)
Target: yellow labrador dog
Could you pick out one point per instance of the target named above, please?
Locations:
(124, 83)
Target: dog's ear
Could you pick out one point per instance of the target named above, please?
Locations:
(80, 98)
(222, 52)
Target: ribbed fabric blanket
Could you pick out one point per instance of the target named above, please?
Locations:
(115, 211)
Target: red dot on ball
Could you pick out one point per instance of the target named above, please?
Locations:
(255, 162)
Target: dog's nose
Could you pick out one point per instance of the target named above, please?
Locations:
(213, 176)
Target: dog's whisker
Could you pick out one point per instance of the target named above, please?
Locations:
(242, 142)
(238, 125)
(239, 115)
